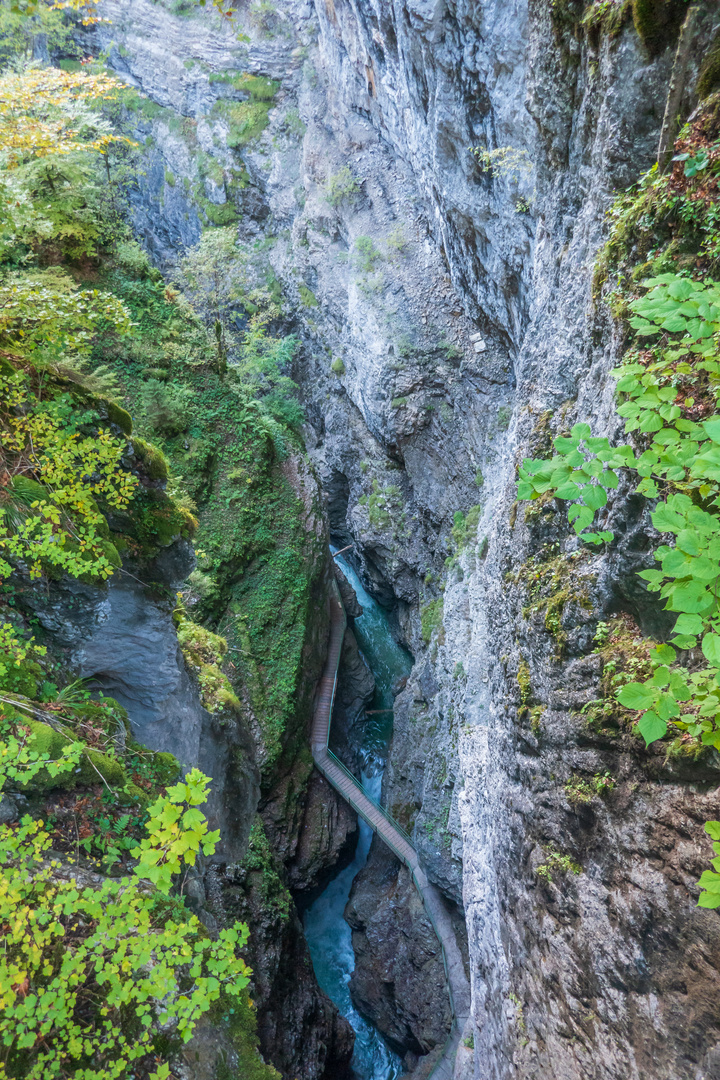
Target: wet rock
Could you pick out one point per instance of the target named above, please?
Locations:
(327, 839)
(355, 689)
(9, 810)
(399, 979)
(353, 609)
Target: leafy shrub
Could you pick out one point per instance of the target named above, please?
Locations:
(506, 161)
(47, 439)
(337, 367)
(164, 406)
(464, 528)
(130, 256)
(396, 242)
(557, 863)
(340, 186)
(307, 297)
(263, 16)
(431, 615)
(91, 976)
(381, 503)
(581, 791)
(19, 669)
(367, 254)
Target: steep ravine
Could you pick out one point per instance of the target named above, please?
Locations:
(448, 326)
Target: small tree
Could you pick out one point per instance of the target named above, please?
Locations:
(214, 274)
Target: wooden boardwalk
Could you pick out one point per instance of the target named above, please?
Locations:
(396, 839)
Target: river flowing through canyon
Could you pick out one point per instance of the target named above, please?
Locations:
(328, 934)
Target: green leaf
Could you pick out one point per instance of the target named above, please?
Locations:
(689, 624)
(681, 288)
(666, 520)
(691, 597)
(709, 900)
(688, 541)
(565, 445)
(664, 653)
(568, 491)
(581, 431)
(583, 519)
(712, 428)
(595, 497)
(712, 828)
(710, 880)
(650, 422)
(651, 727)
(637, 695)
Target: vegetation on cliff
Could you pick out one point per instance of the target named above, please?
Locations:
(664, 253)
(101, 974)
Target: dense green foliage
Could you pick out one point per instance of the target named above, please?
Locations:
(104, 977)
(668, 383)
(94, 972)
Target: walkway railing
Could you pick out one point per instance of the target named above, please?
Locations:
(392, 834)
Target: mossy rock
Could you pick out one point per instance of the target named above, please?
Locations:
(153, 459)
(112, 554)
(167, 768)
(710, 71)
(155, 520)
(93, 765)
(200, 646)
(119, 416)
(658, 22)
(109, 768)
(132, 795)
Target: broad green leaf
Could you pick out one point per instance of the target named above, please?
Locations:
(712, 828)
(710, 880)
(688, 541)
(681, 288)
(637, 695)
(650, 422)
(568, 491)
(664, 653)
(666, 520)
(565, 445)
(581, 431)
(712, 428)
(583, 519)
(651, 727)
(595, 497)
(688, 624)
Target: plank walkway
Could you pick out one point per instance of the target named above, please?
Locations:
(396, 839)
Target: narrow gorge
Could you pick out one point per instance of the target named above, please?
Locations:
(360, 452)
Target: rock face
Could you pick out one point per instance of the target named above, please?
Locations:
(354, 694)
(444, 303)
(398, 981)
